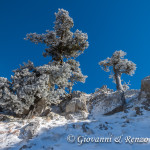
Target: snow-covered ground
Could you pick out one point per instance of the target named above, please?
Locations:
(98, 132)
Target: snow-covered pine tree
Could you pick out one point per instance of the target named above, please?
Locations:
(119, 66)
(61, 42)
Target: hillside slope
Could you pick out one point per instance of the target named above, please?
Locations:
(98, 131)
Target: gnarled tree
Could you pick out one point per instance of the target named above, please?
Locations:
(119, 66)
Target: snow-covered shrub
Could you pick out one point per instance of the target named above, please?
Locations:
(6, 95)
(103, 89)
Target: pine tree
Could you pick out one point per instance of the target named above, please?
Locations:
(61, 42)
(119, 66)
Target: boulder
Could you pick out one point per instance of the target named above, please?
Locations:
(74, 102)
(76, 108)
(71, 106)
(76, 105)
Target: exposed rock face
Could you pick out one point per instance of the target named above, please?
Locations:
(145, 86)
(104, 103)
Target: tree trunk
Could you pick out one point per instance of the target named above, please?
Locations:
(118, 81)
(119, 86)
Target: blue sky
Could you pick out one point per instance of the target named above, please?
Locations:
(111, 25)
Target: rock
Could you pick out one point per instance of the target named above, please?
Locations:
(138, 111)
(25, 147)
(35, 110)
(68, 98)
(8, 118)
(29, 130)
(4, 118)
(77, 115)
(145, 86)
(39, 107)
(76, 105)
(46, 112)
(81, 104)
(71, 106)
(106, 103)
(69, 117)
(146, 104)
(53, 115)
(115, 110)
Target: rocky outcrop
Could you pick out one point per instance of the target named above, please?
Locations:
(145, 86)
(106, 103)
